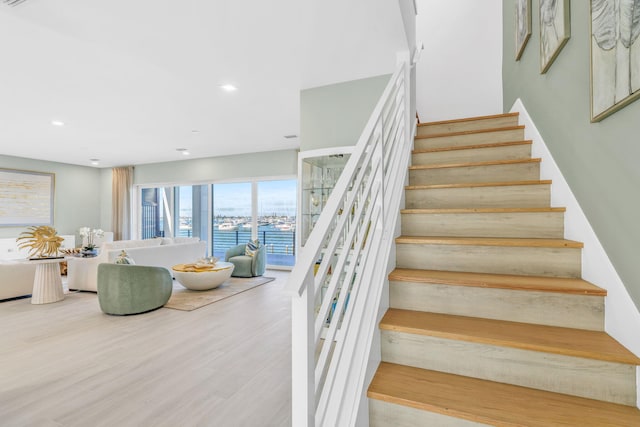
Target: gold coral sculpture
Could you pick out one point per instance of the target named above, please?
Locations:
(43, 241)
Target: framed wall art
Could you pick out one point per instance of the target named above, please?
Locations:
(26, 198)
(555, 30)
(523, 25)
(615, 56)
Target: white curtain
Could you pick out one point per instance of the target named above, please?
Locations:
(121, 202)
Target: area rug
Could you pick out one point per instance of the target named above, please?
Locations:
(187, 300)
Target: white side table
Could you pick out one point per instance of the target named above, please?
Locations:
(47, 284)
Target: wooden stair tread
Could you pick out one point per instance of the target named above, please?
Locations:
(471, 147)
(493, 403)
(477, 184)
(468, 119)
(469, 132)
(550, 339)
(470, 164)
(480, 210)
(498, 281)
(490, 241)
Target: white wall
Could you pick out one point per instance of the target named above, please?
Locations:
(460, 69)
(349, 40)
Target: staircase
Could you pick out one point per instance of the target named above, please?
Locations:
(489, 321)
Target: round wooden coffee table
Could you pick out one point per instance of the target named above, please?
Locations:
(202, 280)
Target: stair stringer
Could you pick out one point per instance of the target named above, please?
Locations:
(622, 317)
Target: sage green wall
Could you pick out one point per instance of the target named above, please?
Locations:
(335, 115)
(251, 165)
(598, 160)
(76, 199)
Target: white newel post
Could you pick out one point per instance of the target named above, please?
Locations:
(302, 356)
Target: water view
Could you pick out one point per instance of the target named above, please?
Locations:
(231, 211)
(277, 233)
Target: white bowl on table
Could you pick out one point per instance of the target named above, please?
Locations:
(202, 280)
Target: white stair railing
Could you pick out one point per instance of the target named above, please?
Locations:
(334, 310)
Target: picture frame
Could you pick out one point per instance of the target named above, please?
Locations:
(555, 30)
(615, 56)
(523, 25)
(26, 198)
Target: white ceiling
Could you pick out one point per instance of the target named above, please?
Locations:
(133, 80)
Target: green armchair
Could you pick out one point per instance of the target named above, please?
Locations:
(132, 289)
(245, 265)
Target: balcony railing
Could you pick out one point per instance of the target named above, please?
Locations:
(280, 245)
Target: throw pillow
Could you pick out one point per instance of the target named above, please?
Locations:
(252, 247)
(123, 258)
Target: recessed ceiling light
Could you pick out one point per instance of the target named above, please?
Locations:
(95, 162)
(57, 123)
(228, 87)
(184, 151)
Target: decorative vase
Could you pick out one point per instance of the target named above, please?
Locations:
(123, 258)
(88, 253)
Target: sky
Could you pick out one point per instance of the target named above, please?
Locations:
(234, 199)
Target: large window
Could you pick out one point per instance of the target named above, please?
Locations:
(192, 207)
(152, 213)
(174, 212)
(277, 220)
(225, 214)
(232, 219)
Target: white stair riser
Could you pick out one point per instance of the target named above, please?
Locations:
(473, 174)
(509, 152)
(489, 123)
(385, 414)
(535, 261)
(547, 225)
(506, 135)
(541, 308)
(508, 196)
(545, 371)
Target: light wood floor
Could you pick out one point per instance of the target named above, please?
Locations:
(227, 364)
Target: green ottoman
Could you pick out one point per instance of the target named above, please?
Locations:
(132, 289)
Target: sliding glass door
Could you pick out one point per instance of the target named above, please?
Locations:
(180, 211)
(225, 214)
(232, 219)
(277, 220)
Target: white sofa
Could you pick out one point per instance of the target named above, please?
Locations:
(16, 278)
(82, 273)
(9, 247)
